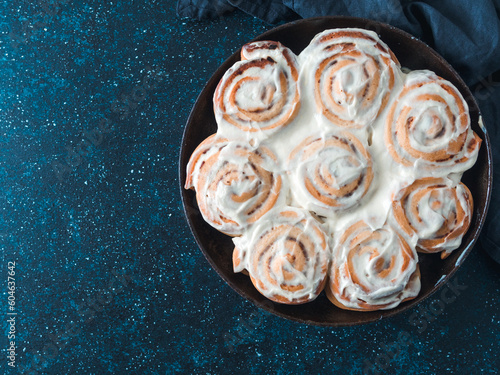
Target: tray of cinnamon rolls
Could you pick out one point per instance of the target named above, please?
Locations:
(335, 171)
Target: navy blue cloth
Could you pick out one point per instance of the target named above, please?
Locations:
(465, 32)
(487, 93)
(203, 9)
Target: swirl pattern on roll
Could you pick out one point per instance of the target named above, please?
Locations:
(259, 93)
(235, 184)
(437, 211)
(429, 123)
(330, 172)
(286, 256)
(372, 269)
(353, 73)
(371, 164)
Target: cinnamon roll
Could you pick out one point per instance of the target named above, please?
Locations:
(372, 269)
(286, 256)
(371, 165)
(259, 93)
(437, 211)
(429, 124)
(353, 73)
(235, 184)
(330, 173)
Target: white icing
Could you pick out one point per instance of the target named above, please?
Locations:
(259, 90)
(330, 164)
(382, 264)
(346, 75)
(288, 253)
(431, 130)
(437, 209)
(433, 106)
(234, 190)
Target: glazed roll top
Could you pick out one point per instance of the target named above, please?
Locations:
(286, 255)
(437, 210)
(428, 125)
(353, 73)
(372, 269)
(330, 172)
(235, 184)
(371, 164)
(260, 93)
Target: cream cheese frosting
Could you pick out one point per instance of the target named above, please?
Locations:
(367, 130)
(286, 255)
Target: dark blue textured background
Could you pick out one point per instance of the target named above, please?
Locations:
(108, 276)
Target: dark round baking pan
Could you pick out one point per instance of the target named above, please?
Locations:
(218, 247)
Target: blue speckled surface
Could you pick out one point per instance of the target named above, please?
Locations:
(108, 277)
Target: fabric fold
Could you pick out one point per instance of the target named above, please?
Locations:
(270, 11)
(203, 9)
